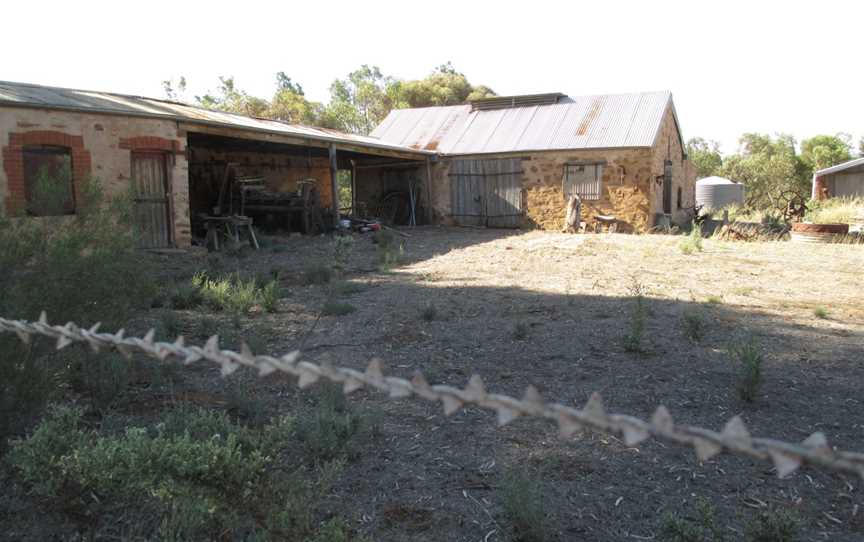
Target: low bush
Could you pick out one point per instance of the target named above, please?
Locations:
(835, 210)
(701, 527)
(523, 505)
(772, 526)
(233, 293)
(70, 267)
(428, 312)
(820, 312)
(390, 249)
(200, 475)
(746, 354)
(632, 339)
(693, 242)
(693, 324)
(317, 272)
(337, 308)
(520, 331)
(328, 433)
(185, 297)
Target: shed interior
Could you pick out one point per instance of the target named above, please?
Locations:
(287, 187)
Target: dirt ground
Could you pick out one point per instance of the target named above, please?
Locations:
(550, 310)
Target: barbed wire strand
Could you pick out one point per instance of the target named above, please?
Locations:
(734, 437)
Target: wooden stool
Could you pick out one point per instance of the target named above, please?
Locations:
(230, 228)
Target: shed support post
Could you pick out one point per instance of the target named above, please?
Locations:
(334, 186)
(428, 190)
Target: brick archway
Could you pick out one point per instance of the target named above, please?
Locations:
(13, 163)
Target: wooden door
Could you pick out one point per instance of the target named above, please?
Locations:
(468, 192)
(151, 197)
(486, 192)
(503, 192)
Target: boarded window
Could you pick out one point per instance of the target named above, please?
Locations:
(584, 180)
(48, 181)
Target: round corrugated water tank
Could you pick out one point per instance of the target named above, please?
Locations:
(717, 193)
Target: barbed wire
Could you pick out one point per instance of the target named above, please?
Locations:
(734, 437)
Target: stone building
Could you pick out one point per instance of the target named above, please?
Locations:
(514, 160)
(500, 162)
(171, 156)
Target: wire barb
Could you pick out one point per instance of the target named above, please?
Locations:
(735, 438)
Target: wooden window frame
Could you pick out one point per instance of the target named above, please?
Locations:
(595, 190)
(31, 152)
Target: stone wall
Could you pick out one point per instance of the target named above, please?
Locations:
(100, 146)
(625, 188)
(668, 145)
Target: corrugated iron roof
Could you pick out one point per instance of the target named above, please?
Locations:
(841, 167)
(585, 122)
(29, 95)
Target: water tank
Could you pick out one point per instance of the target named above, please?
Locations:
(716, 193)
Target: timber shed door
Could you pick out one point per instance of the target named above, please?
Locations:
(487, 192)
(151, 199)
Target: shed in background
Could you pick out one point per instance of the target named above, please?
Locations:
(844, 180)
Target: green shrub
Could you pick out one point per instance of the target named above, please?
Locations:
(170, 325)
(102, 377)
(834, 210)
(693, 324)
(702, 528)
(390, 249)
(206, 327)
(317, 272)
(632, 340)
(337, 308)
(714, 300)
(428, 311)
(772, 526)
(520, 331)
(523, 505)
(185, 297)
(693, 242)
(748, 357)
(820, 312)
(234, 294)
(328, 433)
(70, 267)
(201, 474)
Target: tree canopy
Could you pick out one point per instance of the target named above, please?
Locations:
(358, 102)
(705, 155)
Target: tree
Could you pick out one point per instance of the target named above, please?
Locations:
(769, 168)
(705, 155)
(229, 98)
(174, 91)
(359, 102)
(283, 82)
(444, 86)
(822, 151)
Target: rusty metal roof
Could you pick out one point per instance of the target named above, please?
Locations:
(585, 122)
(841, 167)
(29, 95)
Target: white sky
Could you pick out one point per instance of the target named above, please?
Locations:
(733, 66)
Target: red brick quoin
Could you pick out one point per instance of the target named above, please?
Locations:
(13, 163)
